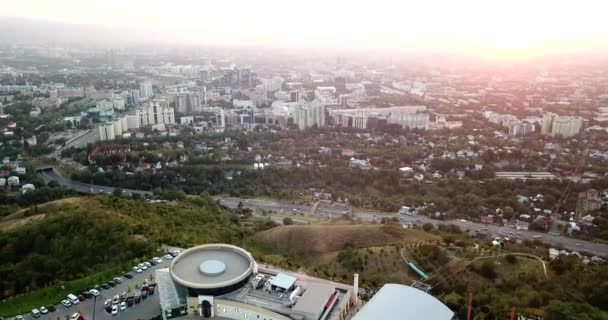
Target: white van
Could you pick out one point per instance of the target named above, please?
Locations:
(73, 299)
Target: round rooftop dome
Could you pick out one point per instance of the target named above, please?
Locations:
(212, 268)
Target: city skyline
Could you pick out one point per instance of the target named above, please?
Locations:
(486, 29)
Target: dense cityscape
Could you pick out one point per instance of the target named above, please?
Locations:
(250, 182)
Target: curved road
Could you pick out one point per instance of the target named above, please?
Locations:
(53, 175)
(363, 215)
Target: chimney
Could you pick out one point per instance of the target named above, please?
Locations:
(355, 296)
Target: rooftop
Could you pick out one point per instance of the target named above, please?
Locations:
(395, 301)
(211, 266)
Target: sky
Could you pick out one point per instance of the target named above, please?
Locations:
(492, 28)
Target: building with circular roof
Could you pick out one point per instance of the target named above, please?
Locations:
(213, 269)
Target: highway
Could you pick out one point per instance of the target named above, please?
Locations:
(53, 175)
(363, 215)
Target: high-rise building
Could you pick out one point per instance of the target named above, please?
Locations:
(566, 126)
(106, 131)
(310, 114)
(145, 89)
(155, 112)
(188, 103)
(546, 122)
(521, 128)
(340, 84)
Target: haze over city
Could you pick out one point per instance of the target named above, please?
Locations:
(488, 29)
(311, 160)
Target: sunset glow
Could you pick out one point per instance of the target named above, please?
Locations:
(494, 29)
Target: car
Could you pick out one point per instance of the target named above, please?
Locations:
(66, 303)
(107, 303)
(147, 264)
(105, 286)
(76, 316)
(118, 280)
(123, 306)
(130, 300)
(168, 256)
(51, 308)
(112, 283)
(157, 259)
(114, 311)
(128, 275)
(43, 310)
(35, 313)
(135, 268)
(81, 297)
(94, 292)
(578, 244)
(151, 290)
(138, 270)
(144, 294)
(19, 318)
(115, 299)
(87, 294)
(141, 265)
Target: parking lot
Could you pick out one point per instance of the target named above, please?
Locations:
(148, 308)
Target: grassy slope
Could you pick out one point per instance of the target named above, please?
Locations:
(82, 221)
(325, 238)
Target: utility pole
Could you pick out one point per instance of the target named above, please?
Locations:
(470, 306)
(94, 306)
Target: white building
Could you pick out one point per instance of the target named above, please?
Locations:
(154, 112)
(566, 126)
(106, 131)
(186, 121)
(307, 115)
(145, 89)
(118, 104)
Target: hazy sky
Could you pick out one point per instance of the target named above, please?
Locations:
(509, 28)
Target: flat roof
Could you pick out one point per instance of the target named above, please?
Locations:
(314, 299)
(396, 301)
(211, 266)
(283, 281)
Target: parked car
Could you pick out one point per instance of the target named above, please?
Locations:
(114, 311)
(144, 294)
(115, 299)
(138, 270)
(43, 310)
(130, 300)
(105, 286)
(35, 313)
(168, 256)
(157, 260)
(123, 306)
(51, 308)
(73, 299)
(137, 297)
(128, 276)
(107, 303)
(19, 318)
(94, 292)
(66, 303)
(118, 280)
(76, 316)
(147, 264)
(81, 297)
(112, 283)
(87, 294)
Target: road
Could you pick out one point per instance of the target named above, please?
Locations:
(146, 309)
(54, 175)
(363, 215)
